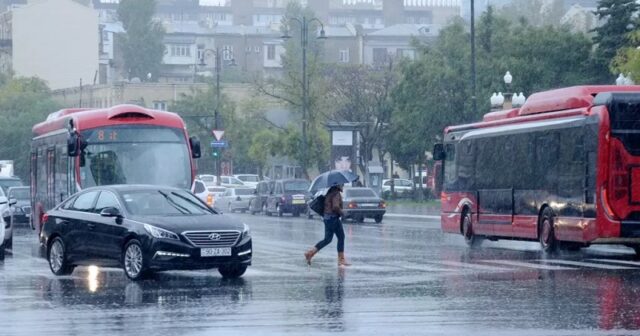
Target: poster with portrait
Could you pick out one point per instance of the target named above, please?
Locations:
(342, 150)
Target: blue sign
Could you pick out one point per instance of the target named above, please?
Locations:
(219, 144)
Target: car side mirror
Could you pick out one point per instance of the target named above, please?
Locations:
(195, 147)
(13, 201)
(73, 148)
(438, 152)
(110, 212)
(3, 200)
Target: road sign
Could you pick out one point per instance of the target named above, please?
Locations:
(218, 134)
(219, 144)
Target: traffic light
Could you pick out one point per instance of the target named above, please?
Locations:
(216, 153)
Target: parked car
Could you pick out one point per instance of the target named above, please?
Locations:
(209, 180)
(217, 192)
(5, 221)
(288, 196)
(249, 180)
(200, 190)
(259, 201)
(21, 211)
(143, 229)
(401, 187)
(361, 203)
(236, 199)
(8, 182)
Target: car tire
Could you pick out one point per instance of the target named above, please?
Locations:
(133, 262)
(296, 214)
(279, 210)
(9, 243)
(378, 218)
(359, 219)
(232, 271)
(251, 208)
(57, 257)
(546, 232)
(230, 208)
(1, 251)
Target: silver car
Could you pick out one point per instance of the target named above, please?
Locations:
(236, 199)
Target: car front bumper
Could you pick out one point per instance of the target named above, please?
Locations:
(177, 255)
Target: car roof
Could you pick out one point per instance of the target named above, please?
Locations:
(132, 187)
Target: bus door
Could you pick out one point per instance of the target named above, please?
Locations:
(495, 210)
(51, 181)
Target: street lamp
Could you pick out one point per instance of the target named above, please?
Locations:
(304, 39)
(216, 119)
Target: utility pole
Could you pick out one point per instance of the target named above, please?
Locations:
(474, 99)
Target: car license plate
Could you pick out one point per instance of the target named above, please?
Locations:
(296, 201)
(215, 252)
(369, 205)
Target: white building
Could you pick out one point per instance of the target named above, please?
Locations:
(55, 40)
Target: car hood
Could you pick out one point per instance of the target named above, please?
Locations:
(179, 224)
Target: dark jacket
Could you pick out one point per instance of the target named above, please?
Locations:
(333, 203)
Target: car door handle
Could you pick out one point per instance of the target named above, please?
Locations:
(91, 226)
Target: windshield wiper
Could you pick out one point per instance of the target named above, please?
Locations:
(188, 200)
(180, 208)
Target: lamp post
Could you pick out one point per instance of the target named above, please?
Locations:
(508, 100)
(216, 117)
(304, 40)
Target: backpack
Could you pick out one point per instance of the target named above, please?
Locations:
(317, 204)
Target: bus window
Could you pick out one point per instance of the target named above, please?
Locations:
(450, 169)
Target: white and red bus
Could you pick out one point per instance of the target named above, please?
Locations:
(564, 170)
(124, 144)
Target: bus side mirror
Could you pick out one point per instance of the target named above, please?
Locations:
(73, 148)
(438, 152)
(195, 147)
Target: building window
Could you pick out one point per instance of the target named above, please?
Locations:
(180, 50)
(271, 52)
(344, 56)
(227, 53)
(160, 105)
(379, 55)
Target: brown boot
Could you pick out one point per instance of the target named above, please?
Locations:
(309, 254)
(341, 260)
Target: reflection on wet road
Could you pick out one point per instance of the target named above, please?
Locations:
(407, 278)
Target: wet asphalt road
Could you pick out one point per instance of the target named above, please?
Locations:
(407, 279)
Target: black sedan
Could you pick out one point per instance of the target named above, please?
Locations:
(143, 229)
(361, 203)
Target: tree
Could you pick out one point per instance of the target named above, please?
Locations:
(538, 13)
(24, 102)
(142, 44)
(362, 94)
(627, 61)
(288, 89)
(619, 20)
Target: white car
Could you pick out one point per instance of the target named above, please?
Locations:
(6, 238)
(236, 199)
(209, 180)
(401, 186)
(225, 181)
(249, 180)
(200, 190)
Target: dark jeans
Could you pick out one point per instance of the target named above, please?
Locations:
(332, 225)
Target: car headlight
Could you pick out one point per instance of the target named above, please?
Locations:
(160, 233)
(246, 231)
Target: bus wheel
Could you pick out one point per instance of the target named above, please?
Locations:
(467, 231)
(546, 232)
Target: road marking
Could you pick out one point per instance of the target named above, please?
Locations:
(615, 261)
(528, 265)
(583, 264)
(474, 266)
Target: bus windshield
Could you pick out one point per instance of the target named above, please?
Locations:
(135, 154)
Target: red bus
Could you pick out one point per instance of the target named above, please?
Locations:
(124, 144)
(564, 170)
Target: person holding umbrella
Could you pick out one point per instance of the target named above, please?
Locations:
(332, 183)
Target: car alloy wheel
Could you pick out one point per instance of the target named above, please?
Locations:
(133, 260)
(57, 258)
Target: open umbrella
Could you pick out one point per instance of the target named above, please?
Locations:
(332, 178)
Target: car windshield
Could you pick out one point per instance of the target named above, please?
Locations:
(208, 178)
(163, 203)
(360, 193)
(244, 192)
(20, 193)
(123, 155)
(249, 178)
(296, 186)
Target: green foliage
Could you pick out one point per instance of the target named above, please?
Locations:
(142, 45)
(627, 61)
(537, 13)
(435, 90)
(619, 20)
(24, 102)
